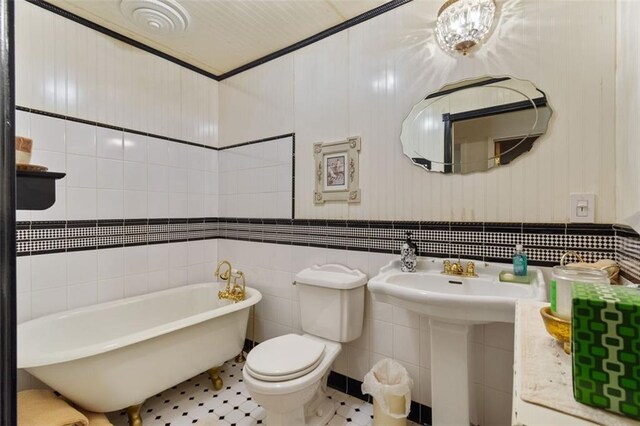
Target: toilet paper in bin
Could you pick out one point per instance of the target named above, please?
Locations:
(388, 378)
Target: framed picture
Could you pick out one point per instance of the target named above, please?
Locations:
(337, 168)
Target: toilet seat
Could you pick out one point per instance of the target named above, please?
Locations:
(284, 358)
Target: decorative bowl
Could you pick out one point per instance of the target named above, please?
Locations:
(559, 328)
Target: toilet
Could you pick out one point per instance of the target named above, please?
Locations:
(288, 374)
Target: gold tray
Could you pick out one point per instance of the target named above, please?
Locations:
(557, 327)
(30, 168)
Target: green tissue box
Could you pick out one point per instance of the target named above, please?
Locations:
(606, 347)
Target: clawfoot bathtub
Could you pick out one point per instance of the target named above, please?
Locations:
(115, 355)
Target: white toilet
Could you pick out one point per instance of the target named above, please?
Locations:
(287, 375)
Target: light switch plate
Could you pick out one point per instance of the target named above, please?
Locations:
(582, 208)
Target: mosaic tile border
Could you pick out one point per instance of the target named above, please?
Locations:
(628, 252)
(544, 243)
(33, 238)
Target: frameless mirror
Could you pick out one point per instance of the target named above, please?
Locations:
(475, 125)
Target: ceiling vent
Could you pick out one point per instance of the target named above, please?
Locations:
(165, 17)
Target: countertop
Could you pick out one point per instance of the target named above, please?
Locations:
(542, 373)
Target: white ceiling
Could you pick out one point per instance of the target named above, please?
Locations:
(225, 34)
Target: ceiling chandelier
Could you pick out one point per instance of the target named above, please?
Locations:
(462, 24)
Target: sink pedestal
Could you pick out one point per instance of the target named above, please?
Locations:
(453, 305)
(451, 385)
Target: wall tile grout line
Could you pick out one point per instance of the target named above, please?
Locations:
(253, 142)
(153, 135)
(293, 176)
(112, 127)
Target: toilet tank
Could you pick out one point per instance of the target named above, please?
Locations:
(331, 301)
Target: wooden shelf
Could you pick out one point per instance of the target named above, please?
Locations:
(36, 190)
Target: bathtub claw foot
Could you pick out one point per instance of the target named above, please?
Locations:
(215, 377)
(133, 413)
(240, 357)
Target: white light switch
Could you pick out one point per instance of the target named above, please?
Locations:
(582, 208)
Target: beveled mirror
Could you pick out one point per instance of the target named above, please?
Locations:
(475, 125)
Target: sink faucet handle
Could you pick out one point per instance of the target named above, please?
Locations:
(447, 267)
(471, 268)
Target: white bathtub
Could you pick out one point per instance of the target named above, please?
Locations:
(117, 354)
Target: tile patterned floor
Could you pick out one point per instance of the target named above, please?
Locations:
(195, 402)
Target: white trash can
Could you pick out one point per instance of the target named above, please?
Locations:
(390, 386)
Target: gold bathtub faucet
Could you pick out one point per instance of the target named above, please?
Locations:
(236, 291)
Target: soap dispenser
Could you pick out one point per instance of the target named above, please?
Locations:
(408, 254)
(519, 262)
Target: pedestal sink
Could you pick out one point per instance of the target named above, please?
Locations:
(454, 304)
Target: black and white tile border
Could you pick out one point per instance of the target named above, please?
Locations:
(544, 243)
(628, 252)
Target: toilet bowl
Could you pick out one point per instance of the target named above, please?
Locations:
(288, 375)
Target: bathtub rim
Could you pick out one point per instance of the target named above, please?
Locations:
(44, 359)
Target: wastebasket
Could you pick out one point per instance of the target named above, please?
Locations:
(390, 386)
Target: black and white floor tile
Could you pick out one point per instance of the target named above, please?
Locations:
(194, 402)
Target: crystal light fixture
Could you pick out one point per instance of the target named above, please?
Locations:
(462, 24)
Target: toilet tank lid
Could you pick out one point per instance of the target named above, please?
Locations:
(331, 276)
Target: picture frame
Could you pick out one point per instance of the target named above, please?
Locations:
(337, 167)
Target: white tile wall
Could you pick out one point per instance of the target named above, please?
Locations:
(255, 180)
(321, 115)
(259, 103)
(122, 175)
(365, 80)
(388, 331)
(57, 282)
(627, 110)
(69, 69)
(81, 139)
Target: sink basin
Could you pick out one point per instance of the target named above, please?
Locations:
(457, 299)
(453, 304)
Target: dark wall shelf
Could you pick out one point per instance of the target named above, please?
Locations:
(36, 190)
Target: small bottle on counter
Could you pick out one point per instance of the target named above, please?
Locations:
(519, 262)
(408, 255)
